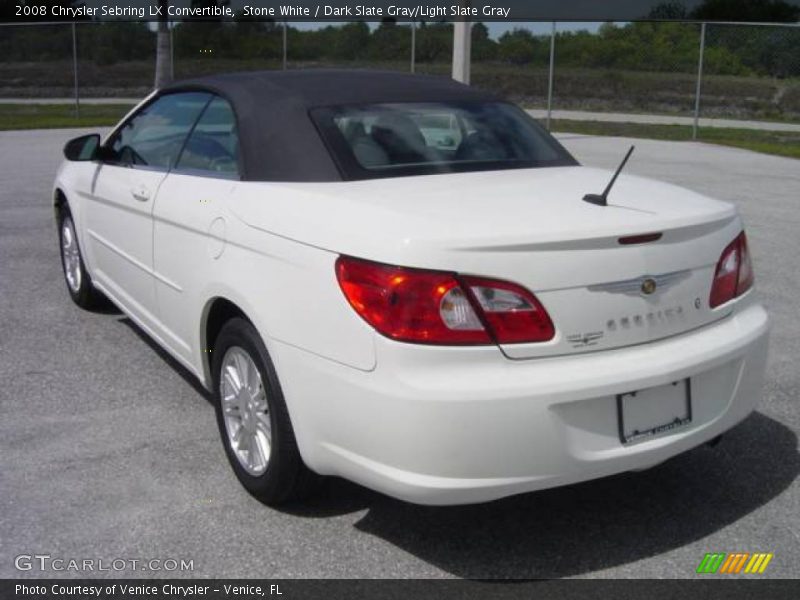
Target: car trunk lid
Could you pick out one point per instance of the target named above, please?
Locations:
(530, 227)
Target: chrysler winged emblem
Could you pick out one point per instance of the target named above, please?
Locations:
(645, 285)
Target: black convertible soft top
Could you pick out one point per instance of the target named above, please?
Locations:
(277, 137)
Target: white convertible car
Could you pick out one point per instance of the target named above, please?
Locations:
(408, 283)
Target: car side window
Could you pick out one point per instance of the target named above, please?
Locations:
(213, 146)
(155, 135)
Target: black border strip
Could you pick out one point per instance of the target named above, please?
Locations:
(726, 588)
(430, 11)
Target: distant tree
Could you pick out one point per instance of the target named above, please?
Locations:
(253, 37)
(351, 40)
(483, 47)
(779, 54)
(390, 41)
(518, 46)
(607, 30)
(109, 42)
(434, 41)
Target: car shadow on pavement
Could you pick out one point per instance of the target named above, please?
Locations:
(590, 526)
(104, 306)
(185, 374)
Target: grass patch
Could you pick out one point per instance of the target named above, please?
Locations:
(50, 116)
(779, 143)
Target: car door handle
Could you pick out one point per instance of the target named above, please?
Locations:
(141, 193)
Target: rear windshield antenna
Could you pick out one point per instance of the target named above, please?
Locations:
(602, 199)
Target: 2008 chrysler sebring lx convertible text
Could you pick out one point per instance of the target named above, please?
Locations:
(408, 283)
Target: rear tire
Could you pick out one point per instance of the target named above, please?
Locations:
(77, 278)
(253, 420)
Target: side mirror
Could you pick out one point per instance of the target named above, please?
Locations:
(82, 148)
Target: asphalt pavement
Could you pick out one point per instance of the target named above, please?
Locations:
(109, 450)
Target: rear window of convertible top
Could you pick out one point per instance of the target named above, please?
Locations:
(388, 140)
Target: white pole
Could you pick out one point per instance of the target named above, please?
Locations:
(75, 70)
(552, 74)
(461, 51)
(413, 46)
(699, 80)
(171, 51)
(284, 46)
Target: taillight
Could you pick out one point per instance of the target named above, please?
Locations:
(734, 274)
(437, 307)
(746, 275)
(513, 314)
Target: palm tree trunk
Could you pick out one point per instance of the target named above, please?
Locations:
(162, 48)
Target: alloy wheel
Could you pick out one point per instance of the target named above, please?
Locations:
(71, 255)
(245, 410)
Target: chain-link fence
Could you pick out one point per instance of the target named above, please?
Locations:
(656, 68)
(712, 70)
(637, 68)
(751, 71)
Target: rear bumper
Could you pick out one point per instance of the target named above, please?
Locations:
(461, 425)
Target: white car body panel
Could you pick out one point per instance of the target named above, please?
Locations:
(432, 219)
(119, 228)
(446, 426)
(438, 425)
(194, 226)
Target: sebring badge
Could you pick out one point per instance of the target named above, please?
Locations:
(649, 286)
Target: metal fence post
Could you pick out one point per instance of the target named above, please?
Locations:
(552, 74)
(461, 50)
(699, 80)
(413, 45)
(75, 71)
(283, 62)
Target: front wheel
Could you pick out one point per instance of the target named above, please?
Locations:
(253, 419)
(77, 278)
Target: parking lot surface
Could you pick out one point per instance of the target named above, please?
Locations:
(109, 450)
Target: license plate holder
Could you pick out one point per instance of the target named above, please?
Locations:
(647, 413)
